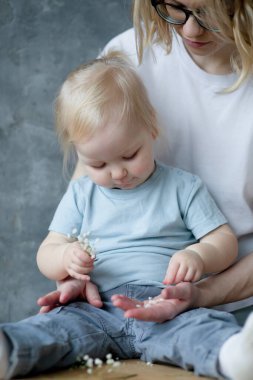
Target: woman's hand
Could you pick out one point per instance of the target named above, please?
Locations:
(69, 290)
(172, 301)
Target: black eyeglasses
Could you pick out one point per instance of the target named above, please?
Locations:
(178, 15)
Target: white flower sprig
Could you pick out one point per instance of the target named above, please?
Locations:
(89, 363)
(151, 301)
(84, 242)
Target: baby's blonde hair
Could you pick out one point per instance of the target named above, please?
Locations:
(96, 92)
(234, 18)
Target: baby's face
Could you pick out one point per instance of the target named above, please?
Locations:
(118, 156)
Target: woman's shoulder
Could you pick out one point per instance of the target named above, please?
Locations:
(124, 41)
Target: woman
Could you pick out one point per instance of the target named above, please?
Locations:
(196, 60)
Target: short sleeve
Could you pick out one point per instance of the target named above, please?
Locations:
(201, 214)
(69, 213)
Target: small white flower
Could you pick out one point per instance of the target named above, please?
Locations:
(109, 361)
(98, 362)
(85, 244)
(89, 363)
(116, 364)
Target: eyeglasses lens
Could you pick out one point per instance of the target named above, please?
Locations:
(178, 16)
(171, 14)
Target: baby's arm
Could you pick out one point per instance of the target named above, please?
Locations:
(215, 252)
(58, 258)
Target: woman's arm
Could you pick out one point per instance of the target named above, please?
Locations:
(234, 284)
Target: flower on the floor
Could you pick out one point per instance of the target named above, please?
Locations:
(88, 363)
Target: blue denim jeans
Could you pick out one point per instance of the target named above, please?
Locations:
(49, 341)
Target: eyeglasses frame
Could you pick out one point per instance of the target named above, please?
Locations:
(187, 13)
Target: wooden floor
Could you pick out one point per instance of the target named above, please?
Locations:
(130, 369)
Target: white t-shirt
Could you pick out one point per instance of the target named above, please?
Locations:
(203, 131)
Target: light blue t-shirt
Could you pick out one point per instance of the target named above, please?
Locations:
(138, 229)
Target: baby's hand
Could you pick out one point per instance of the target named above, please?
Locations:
(77, 261)
(184, 265)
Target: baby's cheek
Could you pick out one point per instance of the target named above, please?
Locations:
(148, 165)
(138, 169)
(98, 178)
(143, 170)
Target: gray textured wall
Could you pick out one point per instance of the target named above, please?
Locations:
(40, 42)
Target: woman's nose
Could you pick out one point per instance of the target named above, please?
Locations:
(192, 28)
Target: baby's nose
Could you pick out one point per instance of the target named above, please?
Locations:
(118, 173)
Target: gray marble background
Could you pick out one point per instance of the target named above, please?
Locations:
(40, 42)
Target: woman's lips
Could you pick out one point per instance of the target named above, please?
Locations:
(195, 44)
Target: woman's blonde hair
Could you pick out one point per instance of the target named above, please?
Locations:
(96, 92)
(234, 19)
